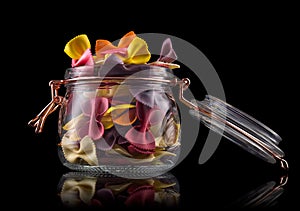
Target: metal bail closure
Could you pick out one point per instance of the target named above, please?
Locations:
(56, 100)
(237, 126)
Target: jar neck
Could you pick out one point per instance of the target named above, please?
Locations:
(92, 83)
(121, 72)
(148, 76)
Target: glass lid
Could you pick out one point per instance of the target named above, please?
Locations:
(240, 128)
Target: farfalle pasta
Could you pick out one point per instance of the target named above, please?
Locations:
(115, 121)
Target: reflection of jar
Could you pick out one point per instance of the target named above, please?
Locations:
(87, 190)
(263, 196)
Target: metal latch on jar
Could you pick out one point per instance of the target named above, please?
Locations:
(56, 100)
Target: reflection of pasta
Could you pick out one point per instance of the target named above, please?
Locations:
(84, 150)
(110, 191)
(74, 192)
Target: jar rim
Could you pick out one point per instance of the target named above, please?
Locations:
(117, 71)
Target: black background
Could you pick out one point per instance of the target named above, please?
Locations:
(251, 50)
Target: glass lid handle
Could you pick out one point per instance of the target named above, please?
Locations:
(235, 125)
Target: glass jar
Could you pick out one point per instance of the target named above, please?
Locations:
(129, 123)
(115, 123)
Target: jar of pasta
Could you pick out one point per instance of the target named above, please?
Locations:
(119, 114)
